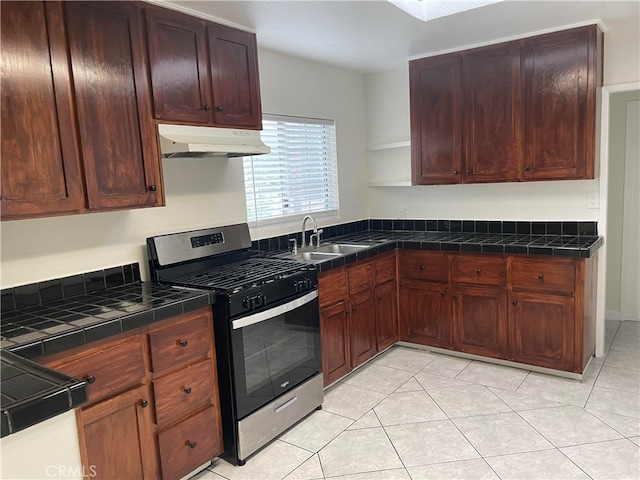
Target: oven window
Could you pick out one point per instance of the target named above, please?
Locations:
(275, 355)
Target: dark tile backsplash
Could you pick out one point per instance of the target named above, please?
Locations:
(35, 294)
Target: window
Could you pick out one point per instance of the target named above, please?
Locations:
(299, 176)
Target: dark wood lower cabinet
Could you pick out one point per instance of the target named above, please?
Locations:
(542, 330)
(362, 328)
(425, 313)
(117, 438)
(480, 320)
(386, 315)
(334, 329)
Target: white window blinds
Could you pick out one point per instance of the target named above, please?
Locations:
(298, 177)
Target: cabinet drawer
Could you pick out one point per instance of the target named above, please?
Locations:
(385, 268)
(424, 265)
(183, 391)
(189, 444)
(554, 276)
(110, 370)
(360, 277)
(332, 287)
(177, 344)
(479, 269)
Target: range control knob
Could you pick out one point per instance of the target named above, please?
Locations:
(247, 303)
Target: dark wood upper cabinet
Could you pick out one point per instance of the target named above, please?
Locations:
(515, 111)
(234, 76)
(435, 87)
(493, 114)
(41, 170)
(179, 66)
(111, 87)
(562, 72)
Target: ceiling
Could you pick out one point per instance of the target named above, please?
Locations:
(373, 35)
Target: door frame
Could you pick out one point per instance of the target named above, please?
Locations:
(604, 127)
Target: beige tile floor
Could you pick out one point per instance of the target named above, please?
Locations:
(412, 414)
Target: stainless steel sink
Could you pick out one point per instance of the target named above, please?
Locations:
(341, 248)
(310, 257)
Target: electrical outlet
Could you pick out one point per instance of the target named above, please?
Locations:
(402, 212)
(593, 200)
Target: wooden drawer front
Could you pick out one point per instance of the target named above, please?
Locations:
(360, 277)
(183, 391)
(110, 370)
(332, 287)
(483, 270)
(554, 276)
(385, 267)
(174, 345)
(189, 444)
(424, 265)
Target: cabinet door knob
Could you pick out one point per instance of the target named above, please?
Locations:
(527, 168)
(187, 390)
(144, 404)
(355, 309)
(514, 302)
(443, 294)
(456, 172)
(478, 272)
(153, 188)
(206, 108)
(183, 343)
(421, 267)
(455, 296)
(541, 277)
(190, 444)
(469, 171)
(90, 379)
(220, 108)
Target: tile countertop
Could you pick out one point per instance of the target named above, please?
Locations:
(577, 246)
(32, 393)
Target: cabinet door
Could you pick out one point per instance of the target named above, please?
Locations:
(493, 114)
(41, 172)
(542, 330)
(435, 87)
(179, 71)
(425, 313)
(117, 438)
(362, 328)
(386, 315)
(480, 320)
(334, 331)
(234, 75)
(110, 80)
(560, 104)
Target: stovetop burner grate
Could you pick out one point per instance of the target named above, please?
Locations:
(234, 277)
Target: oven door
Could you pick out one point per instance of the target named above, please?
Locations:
(275, 350)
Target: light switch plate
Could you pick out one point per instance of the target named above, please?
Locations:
(593, 200)
(402, 213)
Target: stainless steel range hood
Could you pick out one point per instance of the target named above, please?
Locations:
(202, 142)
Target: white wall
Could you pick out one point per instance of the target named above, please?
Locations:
(199, 193)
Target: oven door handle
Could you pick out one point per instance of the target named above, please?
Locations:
(275, 311)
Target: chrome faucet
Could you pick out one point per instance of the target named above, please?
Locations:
(304, 230)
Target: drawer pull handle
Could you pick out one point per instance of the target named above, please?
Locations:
(90, 379)
(541, 277)
(183, 343)
(187, 390)
(421, 267)
(144, 404)
(514, 302)
(190, 444)
(478, 272)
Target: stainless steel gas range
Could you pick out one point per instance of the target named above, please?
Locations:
(267, 330)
